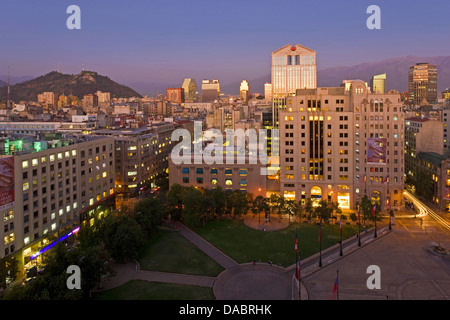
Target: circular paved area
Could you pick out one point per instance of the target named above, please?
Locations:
(254, 282)
(259, 223)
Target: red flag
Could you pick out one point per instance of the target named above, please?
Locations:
(336, 287)
(374, 208)
(296, 243)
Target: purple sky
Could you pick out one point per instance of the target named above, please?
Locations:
(166, 41)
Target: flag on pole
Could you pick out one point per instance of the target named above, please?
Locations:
(340, 223)
(386, 179)
(336, 288)
(359, 212)
(296, 242)
(374, 208)
(297, 271)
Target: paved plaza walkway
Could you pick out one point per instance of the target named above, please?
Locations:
(409, 269)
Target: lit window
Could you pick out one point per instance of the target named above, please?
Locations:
(25, 164)
(34, 162)
(229, 182)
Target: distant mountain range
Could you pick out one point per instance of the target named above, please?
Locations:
(86, 82)
(396, 70)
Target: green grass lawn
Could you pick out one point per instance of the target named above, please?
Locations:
(244, 244)
(168, 251)
(144, 290)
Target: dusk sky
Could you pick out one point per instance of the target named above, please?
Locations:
(166, 41)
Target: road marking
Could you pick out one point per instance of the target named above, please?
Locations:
(404, 226)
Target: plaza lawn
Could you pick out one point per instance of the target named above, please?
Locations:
(244, 244)
(143, 290)
(168, 251)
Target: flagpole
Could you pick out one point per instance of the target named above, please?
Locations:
(299, 280)
(337, 279)
(340, 228)
(359, 226)
(320, 244)
(375, 215)
(297, 267)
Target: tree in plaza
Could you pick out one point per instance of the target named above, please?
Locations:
(274, 201)
(148, 214)
(324, 210)
(218, 198)
(240, 203)
(290, 208)
(51, 284)
(175, 197)
(309, 208)
(259, 204)
(192, 201)
(298, 209)
(367, 208)
(280, 205)
(123, 236)
(335, 208)
(228, 195)
(9, 267)
(424, 185)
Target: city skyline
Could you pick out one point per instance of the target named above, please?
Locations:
(158, 42)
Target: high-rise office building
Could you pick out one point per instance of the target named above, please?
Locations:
(190, 90)
(422, 83)
(210, 90)
(293, 67)
(175, 95)
(244, 90)
(378, 83)
(342, 143)
(268, 91)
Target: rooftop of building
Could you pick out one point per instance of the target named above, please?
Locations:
(431, 157)
(17, 144)
(417, 119)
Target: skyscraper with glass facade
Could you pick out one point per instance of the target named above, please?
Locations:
(293, 67)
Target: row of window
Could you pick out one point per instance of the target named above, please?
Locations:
(214, 181)
(228, 171)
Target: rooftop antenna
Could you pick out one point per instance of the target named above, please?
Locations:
(59, 68)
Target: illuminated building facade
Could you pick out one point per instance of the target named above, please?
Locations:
(378, 83)
(57, 182)
(244, 91)
(342, 143)
(422, 83)
(210, 90)
(293, 67)
(190, 90)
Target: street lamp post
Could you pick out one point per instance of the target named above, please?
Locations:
(320, 244)
(359, 226)
(375, 215)
(340, 230)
